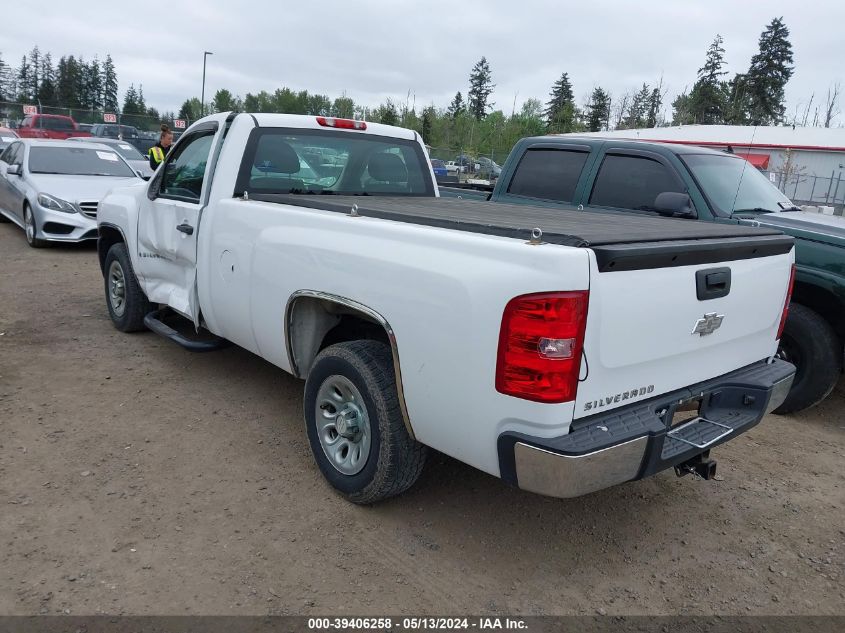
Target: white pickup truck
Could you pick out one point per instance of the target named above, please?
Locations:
(552, 347)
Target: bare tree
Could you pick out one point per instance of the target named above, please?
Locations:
(620, 109)
(807, 110)
(831, 107)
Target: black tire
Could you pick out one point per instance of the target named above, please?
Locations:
(29, 216)
(129, 317)
(810, 343)
(394, 460)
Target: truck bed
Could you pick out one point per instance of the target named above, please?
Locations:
(621, 241)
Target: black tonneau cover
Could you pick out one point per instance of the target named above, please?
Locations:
(621, 241)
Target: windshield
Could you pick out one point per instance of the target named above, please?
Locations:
(734, 185)
(77, 161)
(126, 150)
(338, 162)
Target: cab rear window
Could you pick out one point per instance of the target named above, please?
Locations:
(548, 174)
(302, 161)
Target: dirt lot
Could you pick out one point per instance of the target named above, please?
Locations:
(139, 478)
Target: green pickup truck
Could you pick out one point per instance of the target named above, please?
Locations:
(680, 181)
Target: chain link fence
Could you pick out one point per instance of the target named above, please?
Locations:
(813, 189)
(12, 113)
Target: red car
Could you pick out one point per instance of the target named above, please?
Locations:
(53, 126)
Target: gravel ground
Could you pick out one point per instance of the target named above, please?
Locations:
(138, 478)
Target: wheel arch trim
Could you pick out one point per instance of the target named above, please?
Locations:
(357, 307)
(101, 254)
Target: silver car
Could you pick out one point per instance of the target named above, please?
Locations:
(130, 153)
(52, 189)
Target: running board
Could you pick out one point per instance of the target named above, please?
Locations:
(155, 323)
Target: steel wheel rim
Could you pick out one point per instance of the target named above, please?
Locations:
(117, 288)
(343, 425)
(29, 225)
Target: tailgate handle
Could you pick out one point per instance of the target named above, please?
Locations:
(712, 283)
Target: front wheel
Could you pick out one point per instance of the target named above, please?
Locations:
(31, 228)
(126, 301)
(810, 343)
(355, 425)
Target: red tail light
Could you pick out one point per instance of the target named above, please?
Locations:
(786, 303)
(344, 124)
(540, 346)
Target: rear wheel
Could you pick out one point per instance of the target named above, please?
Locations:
(355, 425)
(126, 301)
(809, 343)
(31, 228)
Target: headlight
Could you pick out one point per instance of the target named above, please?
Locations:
(55, 204)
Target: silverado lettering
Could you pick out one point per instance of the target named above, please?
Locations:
(625, 395)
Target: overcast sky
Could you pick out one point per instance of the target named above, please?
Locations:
(374, 49)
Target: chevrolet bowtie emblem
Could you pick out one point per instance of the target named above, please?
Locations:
(708, 324)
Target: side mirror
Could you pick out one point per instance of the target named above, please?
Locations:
(13, 170)
(675, 204)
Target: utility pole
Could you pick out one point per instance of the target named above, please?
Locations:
(202, 98)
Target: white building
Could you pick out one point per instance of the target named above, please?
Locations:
(806, 163)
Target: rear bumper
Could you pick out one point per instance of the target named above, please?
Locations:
(636, 441)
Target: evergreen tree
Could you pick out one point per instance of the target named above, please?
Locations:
(655, 103)
(130, 101)
(47, 89)
(480, 87)
(560, 109)
(637, 115)
(95, 85)
(738, 106)
(708, 98)
(192, 109)
(598, 110)
(223, 101)
(387, 113)
(457, 106)
(68, 82)
(24, 81)
(768, 75)
(343, 107)
(109, 83)
(34, 79)
(7, 92)
(429, 115)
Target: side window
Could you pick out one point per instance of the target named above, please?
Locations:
(184, 170)
(631, 182)
(550, 174)
(7, 154)
(15, 154)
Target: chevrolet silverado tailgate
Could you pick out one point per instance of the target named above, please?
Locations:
(665, 315)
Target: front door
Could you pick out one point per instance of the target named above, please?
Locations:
(168, 222)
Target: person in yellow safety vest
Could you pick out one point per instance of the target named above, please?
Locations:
(158, 152)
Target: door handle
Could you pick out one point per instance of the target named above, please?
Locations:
(712, 283)
(185, 228)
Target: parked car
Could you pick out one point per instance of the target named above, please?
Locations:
(85, 127)
(629, 177)
(6, 136)
(112, 130)
(555, 360)
(439, 168)
(138, 162)
(452, 166)
(488, 168)
(52, 189)
(53, 126)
